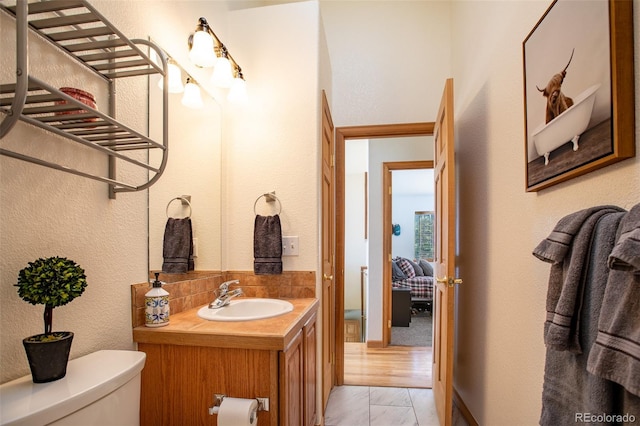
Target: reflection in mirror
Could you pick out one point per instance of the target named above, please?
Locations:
(193, 169)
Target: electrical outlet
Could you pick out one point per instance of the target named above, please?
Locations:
(290, 246)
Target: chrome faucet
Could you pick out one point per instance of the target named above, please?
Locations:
(224, 296)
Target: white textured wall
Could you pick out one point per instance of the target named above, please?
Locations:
(500, 354)
(389, 59)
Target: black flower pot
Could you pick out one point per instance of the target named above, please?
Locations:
(48, 355)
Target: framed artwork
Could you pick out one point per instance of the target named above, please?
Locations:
(578, 90)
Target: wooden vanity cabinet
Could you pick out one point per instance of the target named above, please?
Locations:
(298, 378)
(291, 383)
(182, 373)
(309, 342)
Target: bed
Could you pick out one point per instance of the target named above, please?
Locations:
(417, 277)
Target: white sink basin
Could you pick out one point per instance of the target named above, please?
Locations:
(246, 310)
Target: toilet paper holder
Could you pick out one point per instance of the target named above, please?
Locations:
(263, 403)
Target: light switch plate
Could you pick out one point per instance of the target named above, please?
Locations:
(290, 246)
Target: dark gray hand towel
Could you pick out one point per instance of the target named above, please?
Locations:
(177, 249)
(267, 245)
(616, 353)
(568, 248)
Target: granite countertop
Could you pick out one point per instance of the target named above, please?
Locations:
(187, 328)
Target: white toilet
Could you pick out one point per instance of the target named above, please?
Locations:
(102, 388)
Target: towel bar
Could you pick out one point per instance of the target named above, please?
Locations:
(186, 201)
(270, 198)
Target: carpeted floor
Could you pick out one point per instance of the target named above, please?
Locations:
(418, 333)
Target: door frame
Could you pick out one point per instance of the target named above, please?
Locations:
(341, 135)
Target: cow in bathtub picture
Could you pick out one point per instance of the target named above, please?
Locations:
(568, 88)
(558, 129)
(557, 102)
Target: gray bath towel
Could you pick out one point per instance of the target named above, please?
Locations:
(568, 388)
(626, 254)
(177, 249)
(267, 245)
(616, 353)
(568, 248)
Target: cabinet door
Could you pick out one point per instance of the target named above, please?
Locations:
(291, 387)
(309, 345)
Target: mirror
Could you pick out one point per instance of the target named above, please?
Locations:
(194, 169)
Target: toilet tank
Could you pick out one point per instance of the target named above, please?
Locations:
(102, 388)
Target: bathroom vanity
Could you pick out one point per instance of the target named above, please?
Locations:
(192, 359)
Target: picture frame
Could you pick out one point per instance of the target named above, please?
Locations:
(578, 90)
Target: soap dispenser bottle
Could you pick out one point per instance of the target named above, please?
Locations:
(156, 303)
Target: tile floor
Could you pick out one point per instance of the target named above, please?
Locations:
(380, 406)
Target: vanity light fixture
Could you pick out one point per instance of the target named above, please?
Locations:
(206, 50)
(192, 97)
(175, 78)
(201, 48)
(222, 72)
(238, 92)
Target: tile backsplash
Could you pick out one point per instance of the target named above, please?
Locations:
(196, 288)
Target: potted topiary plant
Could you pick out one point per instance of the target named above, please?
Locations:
(52, 282)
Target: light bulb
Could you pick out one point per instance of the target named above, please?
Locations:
(222, 75)
(175, 79)
(238, 91)
(192, 97)
(202, 53)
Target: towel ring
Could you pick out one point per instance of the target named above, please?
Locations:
(271, 197)
(184, 200)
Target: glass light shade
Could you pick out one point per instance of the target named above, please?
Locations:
(238, 92)
(202, 52)
(192, 97)
(175, 79)
(222, 74)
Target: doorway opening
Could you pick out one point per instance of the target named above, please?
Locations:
(376, 330)
(412, 215)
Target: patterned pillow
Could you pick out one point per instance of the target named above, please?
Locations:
(406, 267)
(426, 267)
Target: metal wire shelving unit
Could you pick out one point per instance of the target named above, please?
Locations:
(79, 31)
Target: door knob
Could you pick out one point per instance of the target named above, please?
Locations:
(450, 281)
(327, 277)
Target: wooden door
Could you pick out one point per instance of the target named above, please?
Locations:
(328, 257)
(444, 289)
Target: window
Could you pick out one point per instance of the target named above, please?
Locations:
(424, 243)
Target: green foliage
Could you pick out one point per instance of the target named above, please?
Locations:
(52, 282)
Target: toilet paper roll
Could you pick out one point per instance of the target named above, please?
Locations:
(238, 412)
